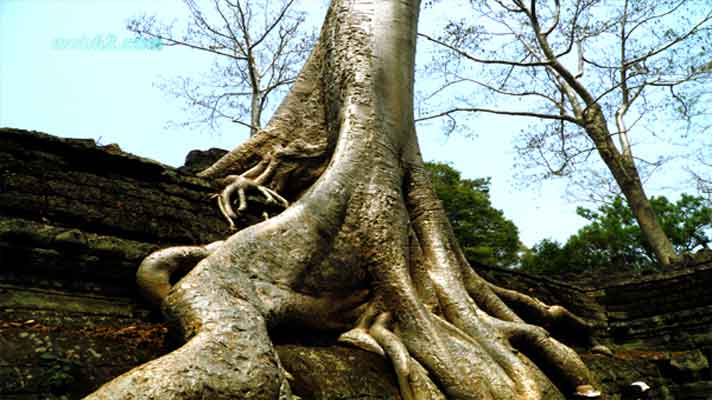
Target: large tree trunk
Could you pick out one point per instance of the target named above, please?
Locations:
(624, 171)
(364, 248)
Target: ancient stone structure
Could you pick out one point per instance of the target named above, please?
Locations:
(659, 326)
(76, 219)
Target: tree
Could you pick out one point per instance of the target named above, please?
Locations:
(364, 247)
(484, 234)
(701, 174)
(591, 71)
(612, 239)
(546, 257)
(257, 47)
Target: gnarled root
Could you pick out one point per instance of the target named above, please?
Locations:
(269, 176)
(413, 379)
(554, 315)
(477, 354)
(227, 351)
(155, 272)
(456, 324)
(372, 333)
(360, 337)
(240, 184)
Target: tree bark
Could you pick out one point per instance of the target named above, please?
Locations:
(364, 248)
(622, 167)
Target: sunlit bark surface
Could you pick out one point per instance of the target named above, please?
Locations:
(364, 247)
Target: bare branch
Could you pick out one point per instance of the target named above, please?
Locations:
(168, 41)
(481, 60)
(275, 22)
(557, 15)
(228, 26)
(500, 112)
(674, 42)
(503, 92)
(202, 23)
(225, 30)
(579, 48)
(644, 21)
(245, 124)
(627, 47)
(519, 4)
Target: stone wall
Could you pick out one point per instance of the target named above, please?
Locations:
(666, 319)
(659, 326)
(76, 219)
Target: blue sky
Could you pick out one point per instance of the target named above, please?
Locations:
(108, 95)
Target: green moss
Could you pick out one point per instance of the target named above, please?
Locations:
(60, 373)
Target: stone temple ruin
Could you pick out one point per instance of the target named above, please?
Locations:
(78, 218)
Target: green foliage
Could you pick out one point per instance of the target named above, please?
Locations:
(612, 239)
(485, 235)
(546, 256)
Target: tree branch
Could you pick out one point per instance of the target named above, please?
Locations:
(174, 42)
(276, 21)
(557, 15)
(448, 113)
(654, 17)
(672, 43)
(481, 60)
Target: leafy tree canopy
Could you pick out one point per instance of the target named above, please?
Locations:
(612, 239)
(486, 236)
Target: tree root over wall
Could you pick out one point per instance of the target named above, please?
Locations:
(363, 247)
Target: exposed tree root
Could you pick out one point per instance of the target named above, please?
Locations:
(365, 248)
(240, 184)
(154, 275)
